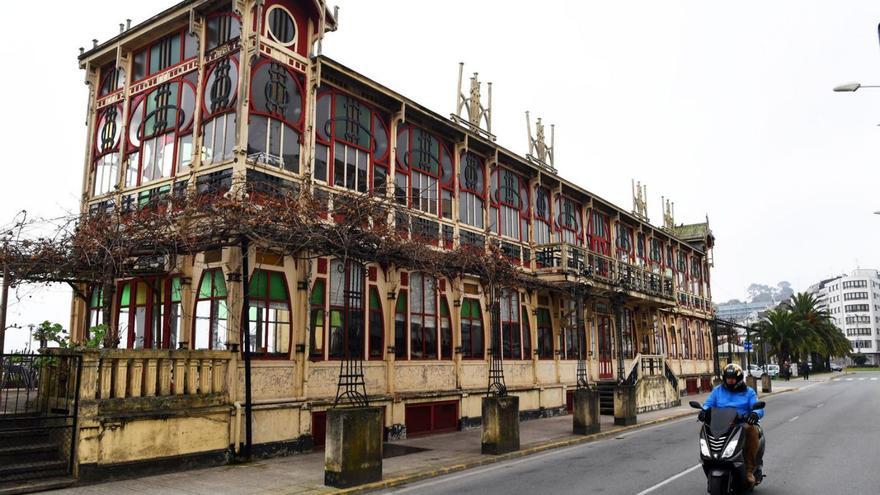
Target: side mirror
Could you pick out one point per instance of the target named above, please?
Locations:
(696, 405)
(759, 405)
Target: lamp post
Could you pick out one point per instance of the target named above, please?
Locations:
(852, 87)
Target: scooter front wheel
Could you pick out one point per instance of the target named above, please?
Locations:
(718, 485)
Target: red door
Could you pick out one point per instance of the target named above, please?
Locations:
(606, 370)
(431, 417)
(319, 428)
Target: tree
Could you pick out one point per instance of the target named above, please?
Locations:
(800, 329)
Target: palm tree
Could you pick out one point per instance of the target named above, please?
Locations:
(799, 328)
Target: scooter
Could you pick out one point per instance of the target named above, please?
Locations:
(721, 450)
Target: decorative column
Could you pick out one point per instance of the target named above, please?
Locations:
(625, 392)
(585, 416)
(353, 451)
(500, 412)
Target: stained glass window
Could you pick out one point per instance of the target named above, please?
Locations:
(276, 116)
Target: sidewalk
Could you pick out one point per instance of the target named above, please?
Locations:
(405, 461)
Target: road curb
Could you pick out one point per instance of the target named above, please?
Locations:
(535, 449)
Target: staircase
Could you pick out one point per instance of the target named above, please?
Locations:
(34, 454)
(606, 397)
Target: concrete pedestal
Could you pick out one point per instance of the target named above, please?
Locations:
(766, 384)
(625, 405)
(353, 451)
(500, 425)
(752, 383)
(586, 411)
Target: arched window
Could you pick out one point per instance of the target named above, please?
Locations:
(209, 328)
(656, 254)
(377, 325)
(346, 326)
(276, 116)
(573, 338)
(472, 336)
(509, 212)
(542, 215)
(160, 131)
(513, 338)
(400, 326)
(352, 146)
(472, 190)
(221, 28)
(112, 80)
(105, 151)
(318, 320)
(568, 220)
(95, 310)
(148, 314)
(641, 249)
(424, 176)
(269, 314)
(600, 234)
(624, 242)
(423, 316)
(545, 334)
(218, 109)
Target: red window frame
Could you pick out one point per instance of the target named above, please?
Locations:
(213, 301)
(175, 132)
(474, 347)
(110, 80)
(267, 301)
(378, 156)
(405, 140)
(642, 246)
(499, 200)
(625, 248)
(163, 326)
(547, 218)
(375, 326)
(426, 354)
(511, 299)
(318, 313)
(297, 125)
(561, 227)
(464, 185)
(545, 341)
(600, 233)
(147, 50)
(218, 15)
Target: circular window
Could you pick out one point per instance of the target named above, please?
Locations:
(281, 25)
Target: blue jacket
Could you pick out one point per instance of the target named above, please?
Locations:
(742, 401)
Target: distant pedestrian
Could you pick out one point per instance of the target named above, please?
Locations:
(805, 370)
(786, 370)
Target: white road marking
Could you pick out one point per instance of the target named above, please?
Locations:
(849, 379)
(862, 379)
(670, 480)
(874, 379)
(793, 419)
(820, 405)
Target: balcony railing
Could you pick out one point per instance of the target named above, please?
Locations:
(132, 373)
(581, 262)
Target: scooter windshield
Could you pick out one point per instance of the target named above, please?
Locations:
(721, 419)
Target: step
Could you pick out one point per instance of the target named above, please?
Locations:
(38, 485)
(32, 470)
(24, 437)
(34, 452)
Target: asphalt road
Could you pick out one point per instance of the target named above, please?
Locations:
(823, 438)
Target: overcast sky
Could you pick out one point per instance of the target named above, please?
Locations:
(725, 107)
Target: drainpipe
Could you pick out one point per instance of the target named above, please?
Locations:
(236, 429)
(246, 351)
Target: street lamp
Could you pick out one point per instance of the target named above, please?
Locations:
(851, 87)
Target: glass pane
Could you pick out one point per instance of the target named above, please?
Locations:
(290, 152)
(125, 299)
(175, 289)
(277, 287)
(258, 284)
(318, 293)
(375, 303)
(257, 135)
(229, 139)
(321, 152)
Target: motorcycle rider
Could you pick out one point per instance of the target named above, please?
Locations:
(734, 393)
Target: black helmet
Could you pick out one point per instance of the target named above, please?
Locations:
(733, 371)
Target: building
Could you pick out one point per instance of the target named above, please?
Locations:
(742, 312)
(853, 302)
(167, 114)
